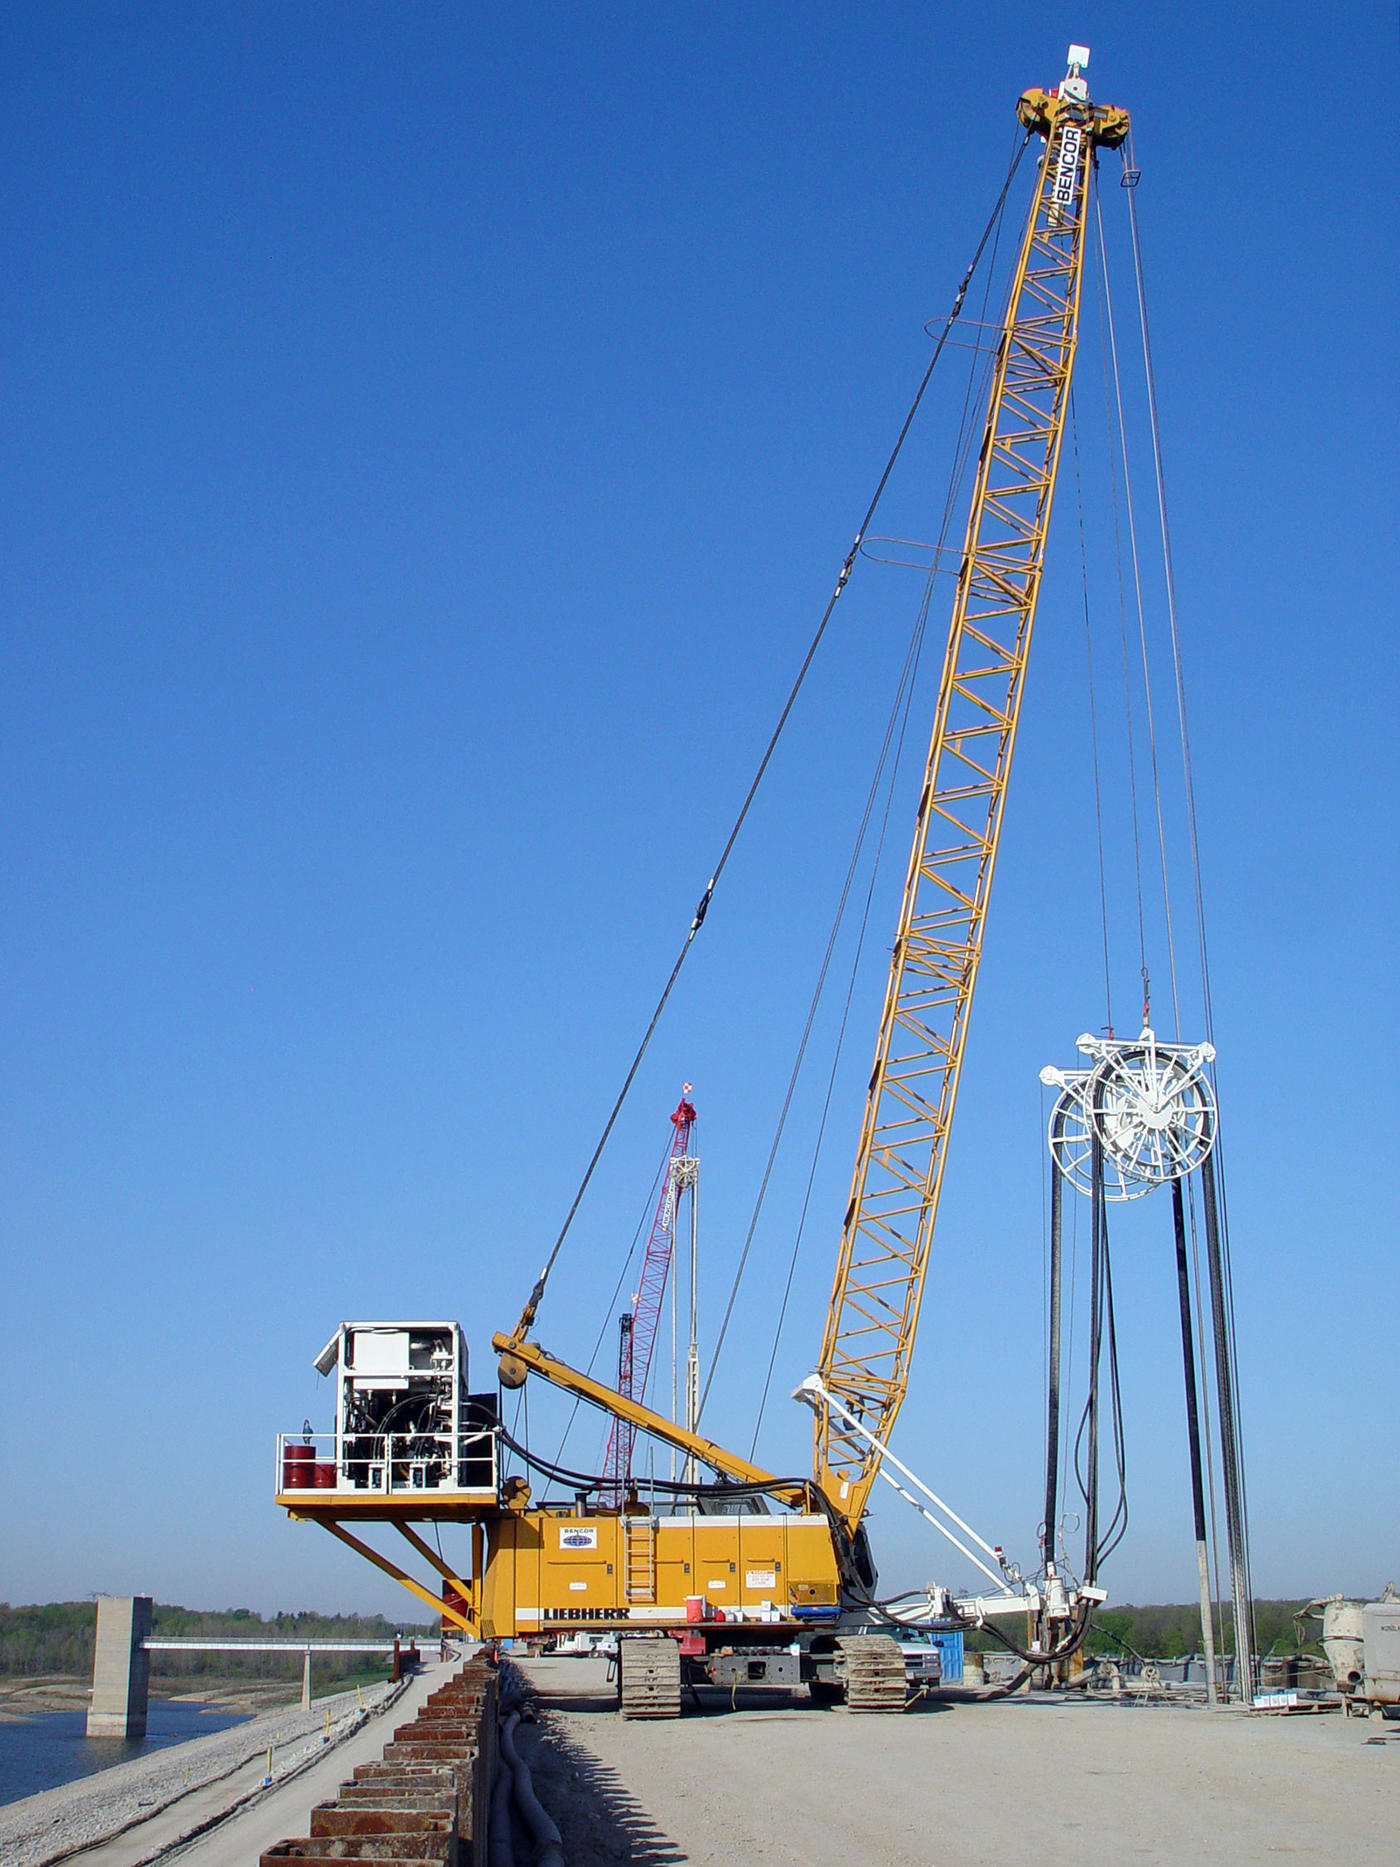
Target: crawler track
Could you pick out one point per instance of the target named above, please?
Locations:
(649, 1677)
(874, 1672)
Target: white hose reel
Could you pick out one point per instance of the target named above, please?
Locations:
(1149, 1105)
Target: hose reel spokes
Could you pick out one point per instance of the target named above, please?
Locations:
(1149, 1106)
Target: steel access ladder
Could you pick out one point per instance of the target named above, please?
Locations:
(639, 1558)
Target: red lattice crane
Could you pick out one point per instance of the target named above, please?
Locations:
(639, 1324)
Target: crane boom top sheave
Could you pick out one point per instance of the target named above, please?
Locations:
(888, 1227)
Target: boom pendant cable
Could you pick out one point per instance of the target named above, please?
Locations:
(1193, 837)
(648, 1208)
(1142, 624)
(840, 1045)
(1093, 717)
(894, 736)
(899, 715)
(812, 1009)
(1128, 709)
(527, 1315)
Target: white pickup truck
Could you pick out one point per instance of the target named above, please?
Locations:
(587, 1646)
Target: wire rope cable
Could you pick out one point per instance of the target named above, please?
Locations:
(905, 691)
(977, 378)
(905, 685)
(1128, 708)
(702, 909)
(1193, 840)
(1173, 617)
(647, 1210)
(1093, 716)
(1141, 621)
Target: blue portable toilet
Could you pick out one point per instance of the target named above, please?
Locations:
(949, 1641)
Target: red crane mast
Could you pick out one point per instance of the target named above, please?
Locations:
(639, 1324)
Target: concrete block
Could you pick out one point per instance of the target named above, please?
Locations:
(121, 1667)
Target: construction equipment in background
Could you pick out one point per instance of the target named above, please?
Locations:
(1362, 1642)
(637, 1327)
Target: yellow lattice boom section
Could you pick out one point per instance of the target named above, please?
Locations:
(913, 1086)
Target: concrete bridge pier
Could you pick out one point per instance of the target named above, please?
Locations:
(121, 1667)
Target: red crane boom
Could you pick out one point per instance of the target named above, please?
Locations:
(640, 1324)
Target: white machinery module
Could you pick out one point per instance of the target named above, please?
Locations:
(404, 1419)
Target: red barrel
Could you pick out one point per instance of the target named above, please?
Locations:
(298, 1465)
(324, 1478)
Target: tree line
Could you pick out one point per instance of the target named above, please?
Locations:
(58, 1637)
(1172, 1630)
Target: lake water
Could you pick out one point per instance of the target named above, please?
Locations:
(44, 1751)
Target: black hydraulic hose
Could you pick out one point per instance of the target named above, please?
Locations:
(500, 1846)
(589, 1481)
(676, 1487)
(1052, 1408)
(548, 1841)
(1090, 1484)
(1188, 1358)
(1097, 1546)
(382, 1430)
(812, 1494)
(878, 1610)
(673, 1487)
(1118, 1523)
(1060, 1651)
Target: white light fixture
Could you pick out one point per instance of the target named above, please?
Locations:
(1075, 88)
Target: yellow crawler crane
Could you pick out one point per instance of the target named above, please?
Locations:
(725, 1595)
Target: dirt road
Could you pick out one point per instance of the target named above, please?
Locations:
(992, 1785)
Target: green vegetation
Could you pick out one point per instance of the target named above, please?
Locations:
(57, 1638)
(1168, 1632)
(1172, 1630)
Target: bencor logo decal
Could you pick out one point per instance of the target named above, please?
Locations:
(1066, 168)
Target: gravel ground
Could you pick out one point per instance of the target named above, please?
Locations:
(231, 1822)
(58, 1822)
(1013, 1783)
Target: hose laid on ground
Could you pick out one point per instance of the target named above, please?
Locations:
(500, 1844)
(1007, 1686)
(533, 1812)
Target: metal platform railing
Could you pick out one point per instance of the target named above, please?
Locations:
(387, 1464)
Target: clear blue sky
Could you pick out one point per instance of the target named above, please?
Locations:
(431, 434)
